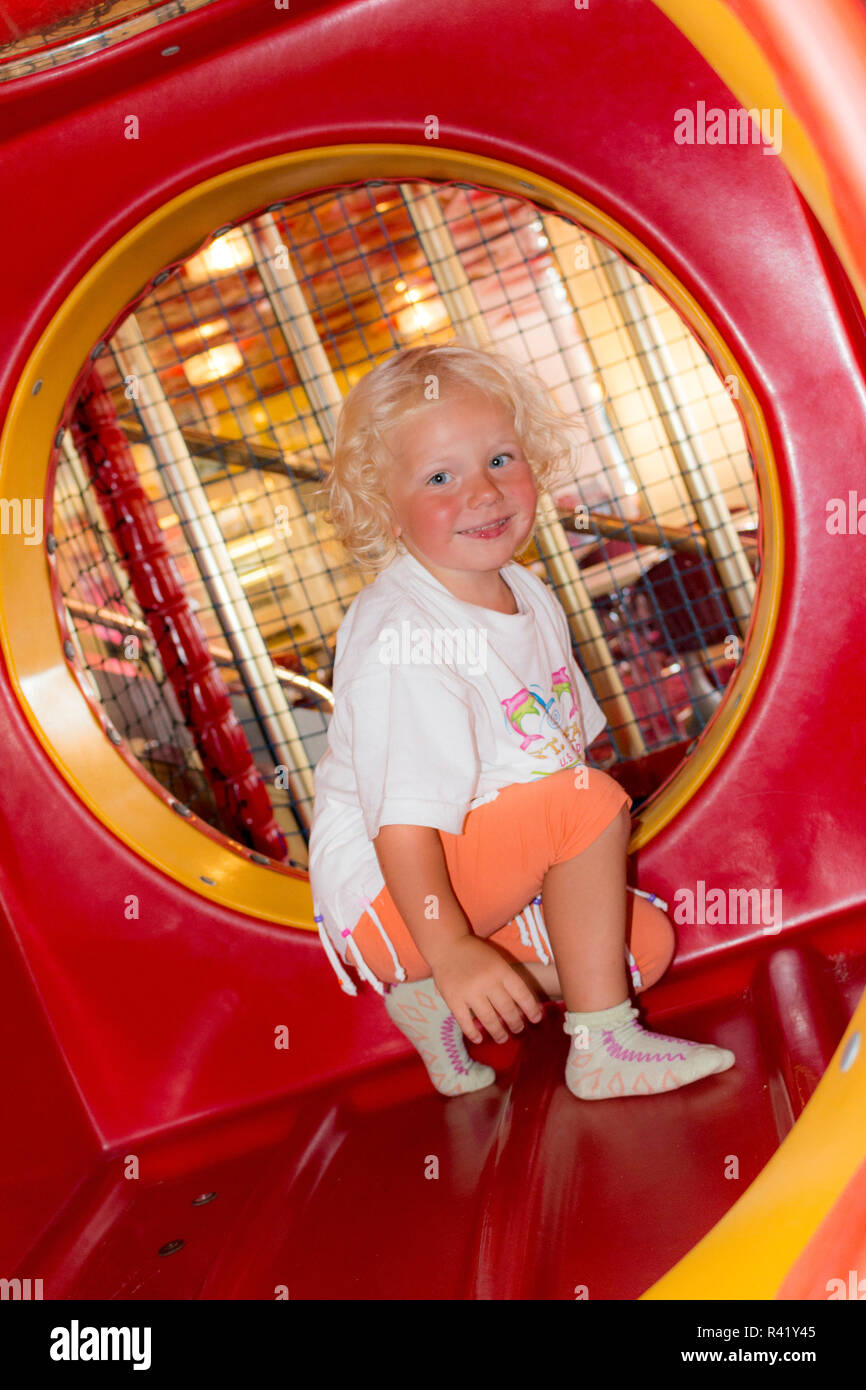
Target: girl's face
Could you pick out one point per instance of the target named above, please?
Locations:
(458, 468)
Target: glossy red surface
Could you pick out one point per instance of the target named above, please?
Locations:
(154, 1037)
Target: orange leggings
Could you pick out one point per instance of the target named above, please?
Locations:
(497, 866)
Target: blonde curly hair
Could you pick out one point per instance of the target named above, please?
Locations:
(359, 508)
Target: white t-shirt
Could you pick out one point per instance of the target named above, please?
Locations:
(439, 704)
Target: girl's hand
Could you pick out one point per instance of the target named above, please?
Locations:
(473, 978)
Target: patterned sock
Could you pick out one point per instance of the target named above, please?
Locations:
(612, 1055)
(422, 1016)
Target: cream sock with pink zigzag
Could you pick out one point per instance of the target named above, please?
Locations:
(421, 1014)
(611, 1055)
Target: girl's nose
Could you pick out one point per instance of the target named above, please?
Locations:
(484, 490)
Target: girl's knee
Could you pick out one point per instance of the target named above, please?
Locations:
(668, 943)
(653, 941)
(621, 824)
(607, 789)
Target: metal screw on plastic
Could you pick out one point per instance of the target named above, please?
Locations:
(180, 808)
(221, 231)
(259, 858)
(171, 1247)
(852, 1047)
(210, 881)
(95, 352)
(115, 737)
(37, 387)
(58, 438)
(68, 650)
(51, 542)
(161, 277)
(169, 52)
(203, 1199)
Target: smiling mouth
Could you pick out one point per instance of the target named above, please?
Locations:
(488, 526)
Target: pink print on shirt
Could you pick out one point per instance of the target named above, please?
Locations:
(533, 717)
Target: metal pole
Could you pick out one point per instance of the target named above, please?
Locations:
(697, 472)
(296, 324)
(452, 283)
(201, 530)
(584, 622)
(565, 313)
(294, 320)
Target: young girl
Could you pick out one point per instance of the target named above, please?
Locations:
(454, 797)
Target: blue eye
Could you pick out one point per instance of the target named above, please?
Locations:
(443, 473)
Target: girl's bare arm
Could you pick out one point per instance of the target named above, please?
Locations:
(471, 975)
(413, 865)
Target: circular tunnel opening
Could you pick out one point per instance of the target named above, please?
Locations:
(197, 446)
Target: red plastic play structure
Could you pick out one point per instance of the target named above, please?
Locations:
(158, 1144)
